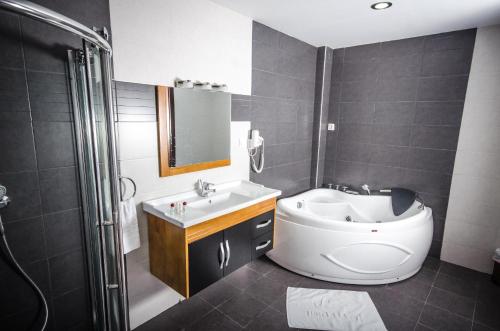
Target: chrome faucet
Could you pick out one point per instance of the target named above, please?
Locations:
(204, 188)
(366, 188)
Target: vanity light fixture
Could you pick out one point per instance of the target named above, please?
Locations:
(381, 5)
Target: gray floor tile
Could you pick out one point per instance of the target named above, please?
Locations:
(285, 277)
(160, 323)
(242, 278)
(279, 304)
(242, 308)
(480, 327)
(413, 288)
(460, 272)
(263, 265)
(456, 285)
(188, 311)
(394, 322)
(218, 293)
(307, 282)
(421, 327)
(390, 301)
(455, 303)
(214, 321)
(488, 314)
(426, 275)
(266, 290)
(488, 292)
(269, 320)
(440, 319)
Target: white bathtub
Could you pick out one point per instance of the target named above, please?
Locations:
(375, 247)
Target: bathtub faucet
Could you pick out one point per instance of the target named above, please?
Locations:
(366, 188)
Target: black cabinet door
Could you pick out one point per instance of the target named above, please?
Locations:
(206, 262)
(237, 243)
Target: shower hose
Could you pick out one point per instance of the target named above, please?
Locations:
(20, 270)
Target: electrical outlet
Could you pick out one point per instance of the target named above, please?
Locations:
(331, 126)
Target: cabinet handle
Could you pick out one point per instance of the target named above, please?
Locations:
(223, 256)
(263, 245)
(263, 225)
(228, 252)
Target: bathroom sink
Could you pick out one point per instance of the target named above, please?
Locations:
(219, 201)
(229, 197)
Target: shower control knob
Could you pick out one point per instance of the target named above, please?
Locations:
(4, 199)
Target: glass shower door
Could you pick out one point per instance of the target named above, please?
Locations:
(94, 127)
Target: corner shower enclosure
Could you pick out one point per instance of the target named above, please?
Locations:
(91, 89)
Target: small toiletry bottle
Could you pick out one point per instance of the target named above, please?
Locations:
(172, 208)
(184, 204)
(178, 208)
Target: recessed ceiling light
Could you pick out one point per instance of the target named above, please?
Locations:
(381, 5)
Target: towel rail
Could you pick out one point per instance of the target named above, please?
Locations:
(123, 188)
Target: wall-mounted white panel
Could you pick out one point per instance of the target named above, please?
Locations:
(472, 230)
(156, 41)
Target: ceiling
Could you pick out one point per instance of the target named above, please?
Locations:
(338, 23)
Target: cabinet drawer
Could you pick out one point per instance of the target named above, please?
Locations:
(262, 224)
(262, 244)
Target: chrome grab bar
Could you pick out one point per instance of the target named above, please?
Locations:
(263, 245)
(223, 257)
(263, 225)
(228, 252)
(30, 9)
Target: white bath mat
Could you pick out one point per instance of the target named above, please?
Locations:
(331, 310)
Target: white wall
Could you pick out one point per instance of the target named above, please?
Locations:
(138, 149)
(156, 41)
(472, 229)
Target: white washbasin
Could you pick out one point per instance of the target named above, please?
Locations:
(219, 201)
(228, 197)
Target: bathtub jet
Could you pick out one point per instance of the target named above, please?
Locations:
(352, 239)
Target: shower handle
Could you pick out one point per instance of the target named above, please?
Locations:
(4, 199)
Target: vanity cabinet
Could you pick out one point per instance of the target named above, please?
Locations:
(190, 259)
(218, 255)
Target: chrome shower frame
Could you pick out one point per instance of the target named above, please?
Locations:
(40, 13)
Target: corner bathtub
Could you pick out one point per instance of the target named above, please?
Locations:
(352, 239)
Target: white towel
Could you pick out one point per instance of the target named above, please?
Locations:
(130, 226)
(332, 310)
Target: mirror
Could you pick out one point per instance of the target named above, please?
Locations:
(193, 129)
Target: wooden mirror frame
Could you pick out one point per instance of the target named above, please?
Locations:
(164, 107)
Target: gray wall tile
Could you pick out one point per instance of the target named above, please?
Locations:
(59, 189)
(63, 231)
(444, 88)
(435, 137)
(54, 144)
(281, 107)
(447, 62)
(402, 47)
(357, 112)
(439, 113)
(431, 159)
(10, 39)
(24, 192)
(394, 113)
(399, 89)
(66, 271)
(17, 146)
